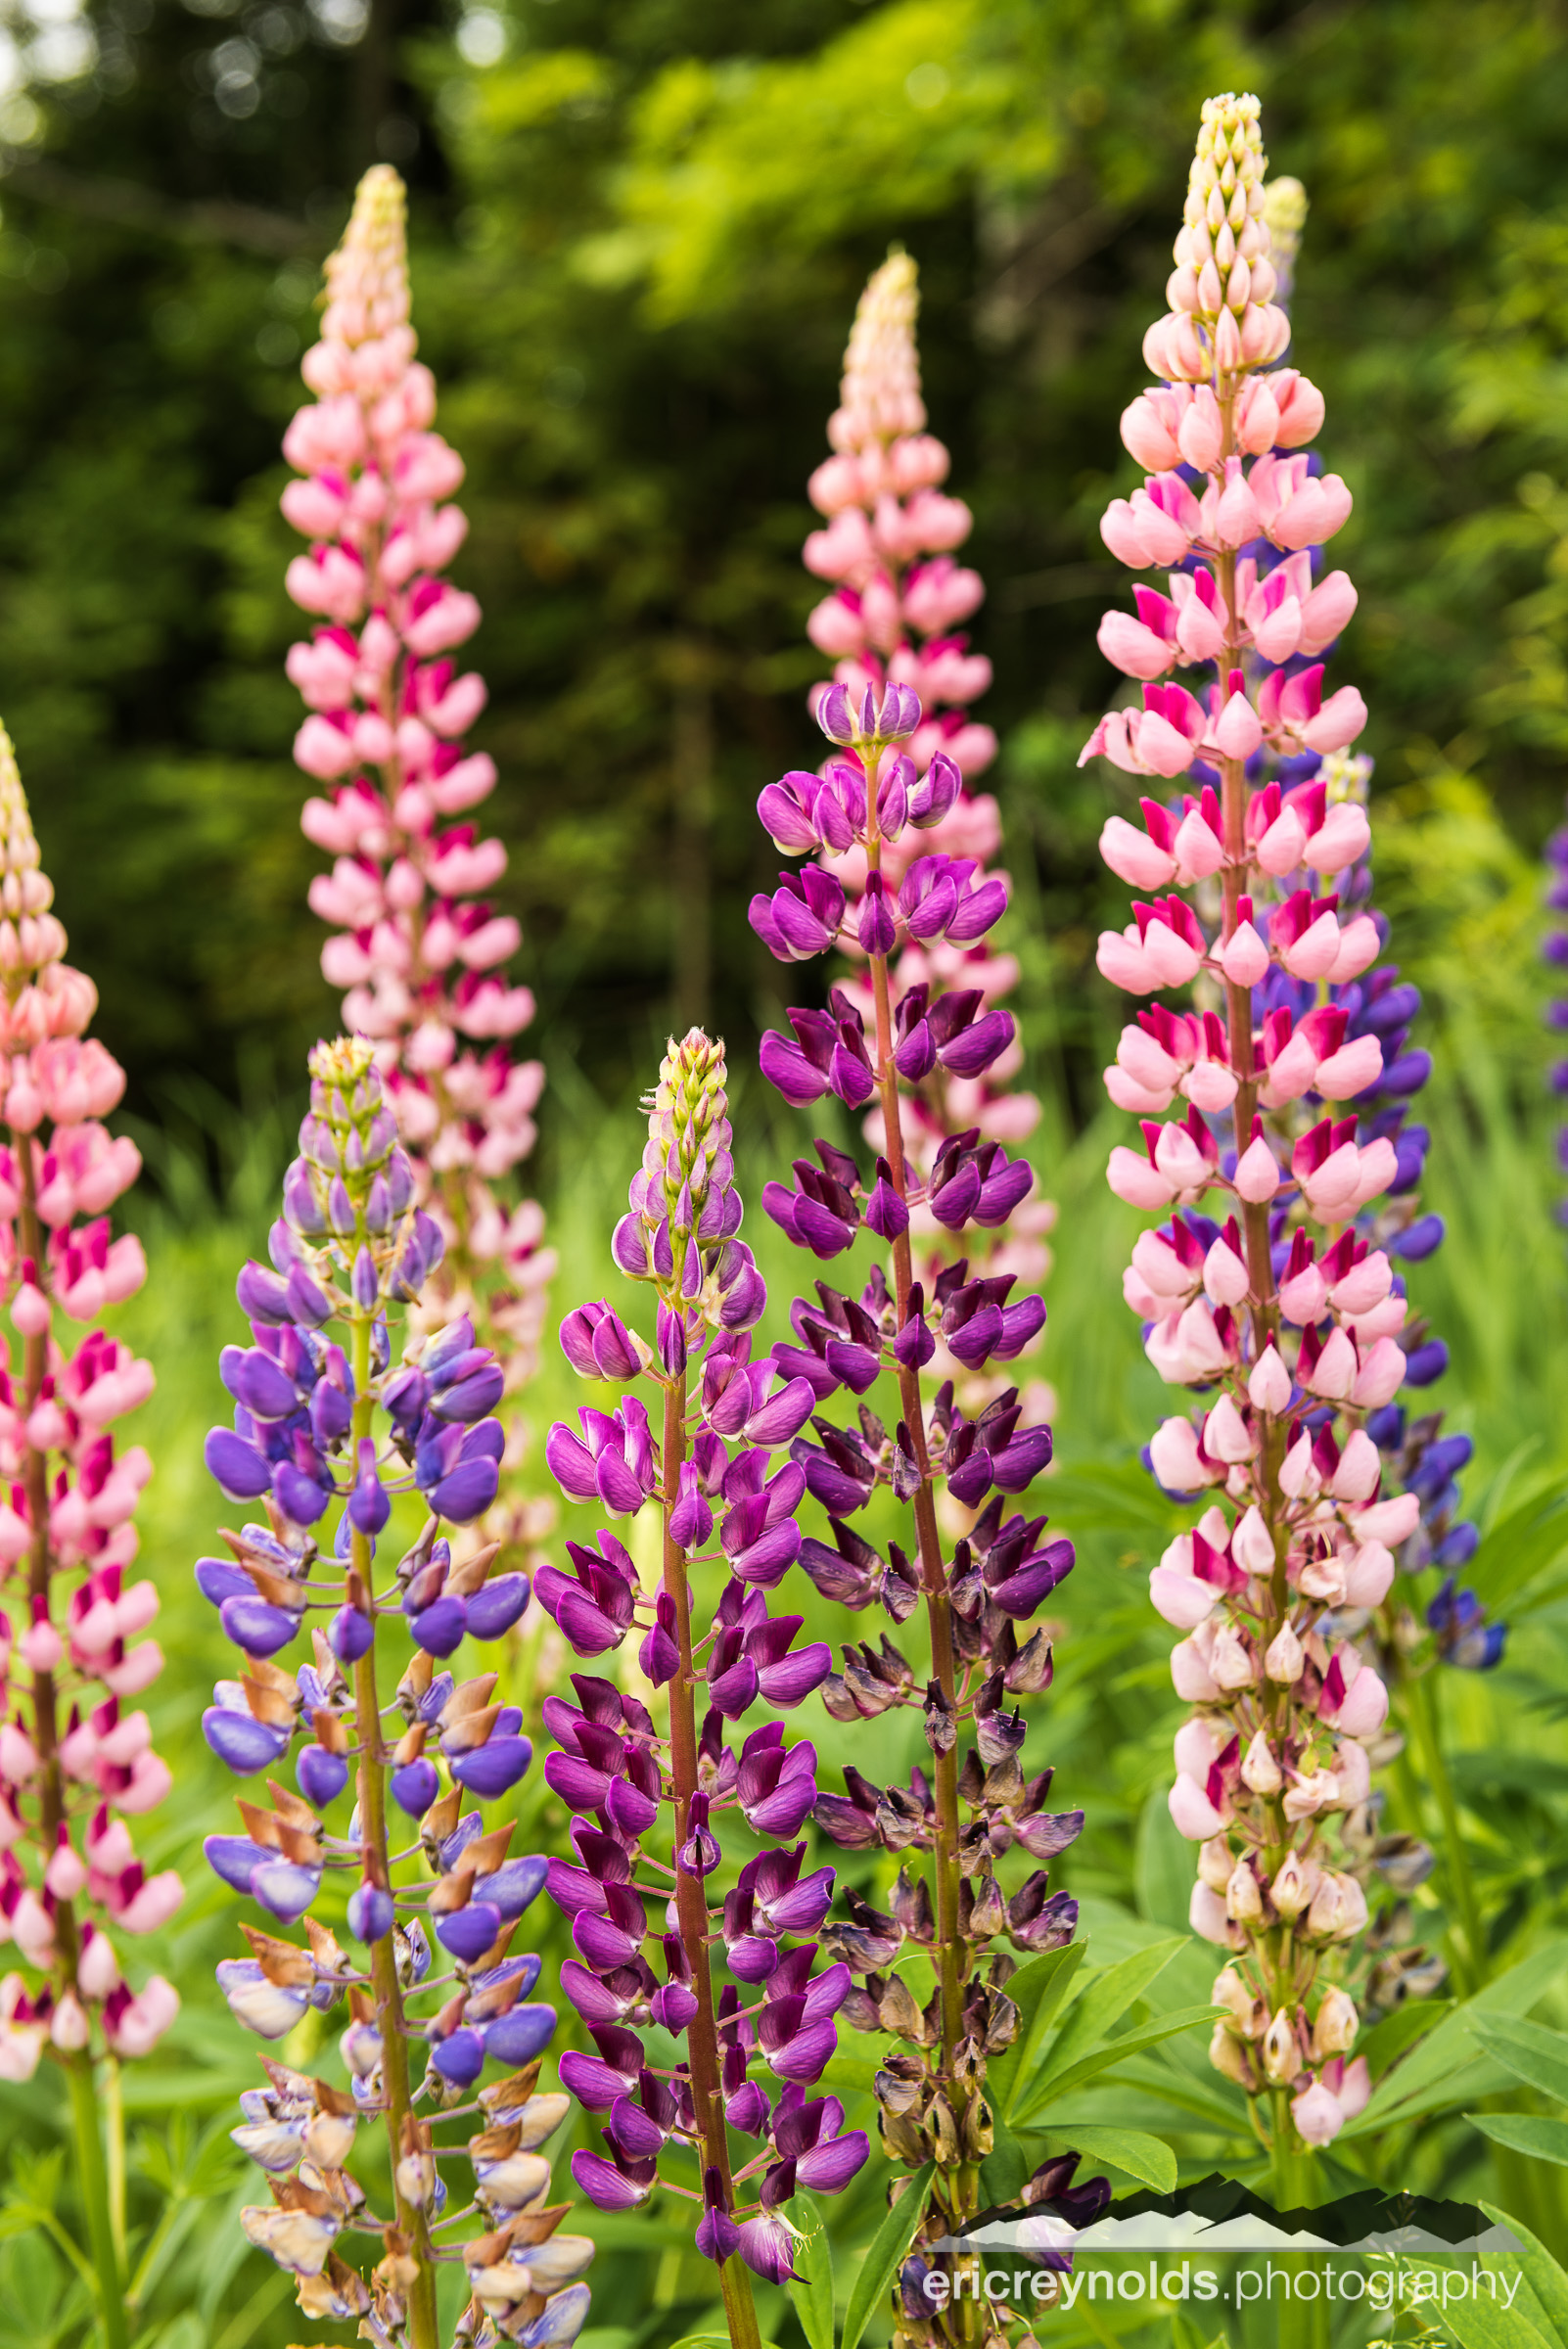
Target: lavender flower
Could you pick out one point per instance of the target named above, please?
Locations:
(652, 1814)
(351, 1253)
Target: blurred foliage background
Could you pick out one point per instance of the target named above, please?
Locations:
(639, 230)
(640, 227)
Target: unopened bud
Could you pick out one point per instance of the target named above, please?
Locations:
(1215, 1864)
(1243, 1897)
(1293, 1886)
(1259, 1769)
(1281, 2054)
(1284, 1657)
(1229, 2058)
(1231, 1991)
(1337, 2024)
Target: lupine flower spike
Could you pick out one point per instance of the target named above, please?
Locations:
(76, 1758)
(733, 2124)
(416, 948)
(972, 1826)
(329, 1430)
(1288, 1075)
(890, 541)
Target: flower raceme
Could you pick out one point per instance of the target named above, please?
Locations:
(890, 622)
(417, 947)
(912, 1041)
(653, 1813)
(328, 1431)
(1288, 1313)
(78, 1763)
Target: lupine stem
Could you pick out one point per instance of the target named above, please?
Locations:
(114, 2144)
(382, 1953)
(690, 1901)
(94, 2187)
(932, 1575)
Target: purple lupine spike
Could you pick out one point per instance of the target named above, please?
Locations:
(921, 1042)
(611, 1766)
(409, 2050)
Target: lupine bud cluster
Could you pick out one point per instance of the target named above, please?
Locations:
(1287, 1312)
(329, 1431)
(972, 1826)
(654, 1810)
(76, 1757)
(938, 863)
(418, 949)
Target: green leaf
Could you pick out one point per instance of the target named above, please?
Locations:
(1532, 2133)
(1543, 2273)
(1038, 1990)
(1007, 2167)
(1387, 2039)
(709, 2340)
(1533, 2055)
(1528, 1540)
(811, 2292)
(852, 2075)
(884, 2257)
(1442, 2071)
(1116, 2051)
(1147, 2158)
(1105, 1998)
(1486, 2324)
(1211, 2100)
(1161, 1866)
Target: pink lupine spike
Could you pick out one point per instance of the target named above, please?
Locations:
(418, 952)
(67, 1520)
(1275, 1675)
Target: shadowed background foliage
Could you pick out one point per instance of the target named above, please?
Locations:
(639, 227)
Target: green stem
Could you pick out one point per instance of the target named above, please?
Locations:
(115, 2132)
(1457, 1863)
(93, 2180)
(691, 1902)
(955, 2190)
(388, 1998)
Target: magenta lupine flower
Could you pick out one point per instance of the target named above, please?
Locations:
(418, 949)
(1287, 1314)
(920, 1042)
(328, 1431)
(76, 1758)
(893, 619)
(659, 1822)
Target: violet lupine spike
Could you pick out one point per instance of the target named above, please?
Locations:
(913, 1038)
(417, 948)
(76, 1758)
(891, 619)
(1291, 1307)
(328, 1430)
(654, 1815)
